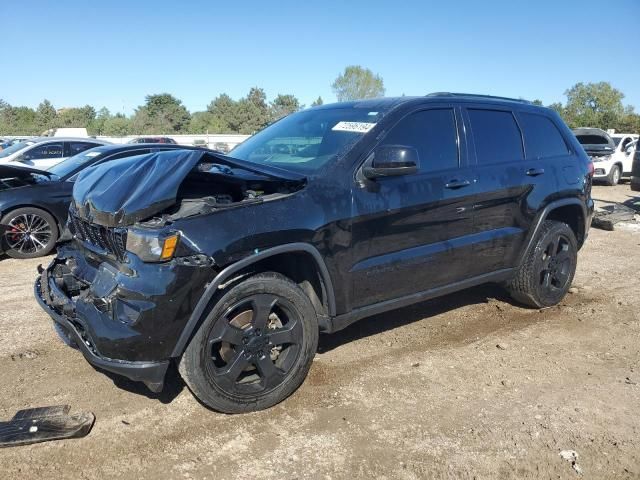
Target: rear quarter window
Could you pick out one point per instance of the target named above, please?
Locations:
(542, 139)
(496, 136)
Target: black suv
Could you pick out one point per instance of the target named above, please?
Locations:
(231, 266)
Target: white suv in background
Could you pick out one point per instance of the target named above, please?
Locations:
(611, 155)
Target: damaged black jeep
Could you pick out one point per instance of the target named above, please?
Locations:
(231, 265)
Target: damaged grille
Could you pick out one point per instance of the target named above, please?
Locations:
(111, 240)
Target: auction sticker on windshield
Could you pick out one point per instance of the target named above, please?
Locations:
(357, 127)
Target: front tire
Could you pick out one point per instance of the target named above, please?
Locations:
(546, 273)
(32, 233)
(614, 176)
(255, 346)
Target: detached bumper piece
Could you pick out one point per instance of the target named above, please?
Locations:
(62, 310)
(44, 424)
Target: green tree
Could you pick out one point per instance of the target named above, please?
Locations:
(161, 113)
(252, 113)
(117, 125)
(19, 121)
(357, 82)
(97, 126)
(76, 117)
(224, 113)
(46, 116)
(593, 105)
(283, 105)
(317, 102)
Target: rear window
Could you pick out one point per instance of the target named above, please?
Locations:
(592, 140)
(542, 139)
(496, 136)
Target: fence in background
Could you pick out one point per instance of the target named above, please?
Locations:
(222, 142)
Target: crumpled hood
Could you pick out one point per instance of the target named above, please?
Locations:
(122, 192)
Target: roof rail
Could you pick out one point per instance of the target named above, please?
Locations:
(475, 95)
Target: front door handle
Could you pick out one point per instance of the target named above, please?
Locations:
(534, 172)
(457, 183)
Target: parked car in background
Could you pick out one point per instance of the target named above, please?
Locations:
(230, 265)
(609, 161)
(45, 152)
(153, 140)
(67, 132)
(34, 203)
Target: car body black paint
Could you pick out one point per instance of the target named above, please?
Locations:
(635, 171)
(377, 244)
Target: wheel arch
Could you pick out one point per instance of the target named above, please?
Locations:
(298, 261)
(571, 211)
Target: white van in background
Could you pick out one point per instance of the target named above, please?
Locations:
(66, 132)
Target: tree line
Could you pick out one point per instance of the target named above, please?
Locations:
(587, 104)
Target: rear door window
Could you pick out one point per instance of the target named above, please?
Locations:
(47, 150)
(496, 136)
(73, 148)
(433, 134)
(542, 139)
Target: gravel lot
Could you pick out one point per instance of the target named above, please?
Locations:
(466, 386)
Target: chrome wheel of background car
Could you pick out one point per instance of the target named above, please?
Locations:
(254, 345)
(556, 264)
(28, 233)
(615, 176)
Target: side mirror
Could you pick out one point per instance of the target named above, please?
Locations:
(391, 161)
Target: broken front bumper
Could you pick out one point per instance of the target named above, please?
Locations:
(126, 318)
(58, 306)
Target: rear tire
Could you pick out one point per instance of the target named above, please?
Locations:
(32, 233)
(546, 273)
(255, 346)
(614, 176)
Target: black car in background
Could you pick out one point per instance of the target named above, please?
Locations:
(231, 266)
(34, 204)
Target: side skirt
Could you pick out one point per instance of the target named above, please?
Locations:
(342, 321)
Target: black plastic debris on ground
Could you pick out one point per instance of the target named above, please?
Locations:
(43, 424)
(609, 215)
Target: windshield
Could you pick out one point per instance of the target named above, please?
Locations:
(16, 147)
(71, 164)
(307, 140)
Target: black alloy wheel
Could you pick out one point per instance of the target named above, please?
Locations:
(255, 346)
(546, 272)
(556, 266)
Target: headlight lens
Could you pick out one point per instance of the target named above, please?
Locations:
(603, 158)
(149, 246)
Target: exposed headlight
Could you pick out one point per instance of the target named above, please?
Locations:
(149, 246)
(604, 158)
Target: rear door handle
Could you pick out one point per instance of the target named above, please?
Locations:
(534, 172)
(456, 183)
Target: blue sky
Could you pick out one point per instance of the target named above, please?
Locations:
(113, 53)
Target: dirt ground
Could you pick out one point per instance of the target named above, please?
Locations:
(466, 386)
